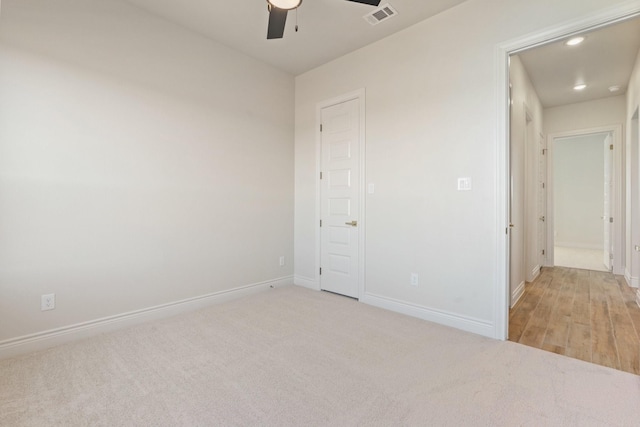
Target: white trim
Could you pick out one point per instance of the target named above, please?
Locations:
(358, 94)
(517, 293)
(503, 280)
(464, 323)
(633, 282)
(601, 18)
(577, 245)
(535, 272)
(306, 282)
(638, 297)
(53, 337)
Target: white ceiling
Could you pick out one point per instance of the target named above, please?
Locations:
(604, 59)
(328, 29)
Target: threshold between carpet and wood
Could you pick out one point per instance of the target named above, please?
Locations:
(587, 315)
(293, 356)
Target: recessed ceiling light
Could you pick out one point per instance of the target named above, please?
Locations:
(614, 88)
(574, 41)
(579, 87)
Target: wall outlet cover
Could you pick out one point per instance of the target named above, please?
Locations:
(47, 302)
(414, 279)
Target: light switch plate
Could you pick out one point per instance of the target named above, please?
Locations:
(464, 184)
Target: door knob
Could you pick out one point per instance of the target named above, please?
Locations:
(352, 223)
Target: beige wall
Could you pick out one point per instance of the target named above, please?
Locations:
(140, 164)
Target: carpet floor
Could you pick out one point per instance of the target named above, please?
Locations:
(292, 356)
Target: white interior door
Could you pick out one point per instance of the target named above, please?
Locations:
(606, 217)
(339, 198)
(542, 200)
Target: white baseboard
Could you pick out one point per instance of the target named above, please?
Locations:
(535, 272)
(517, 293)
(578, 245)
(306, 282)
(468, 324)
(631, 281)
(638, 297)
(46, 339)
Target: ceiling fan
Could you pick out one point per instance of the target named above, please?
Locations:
(278, 14)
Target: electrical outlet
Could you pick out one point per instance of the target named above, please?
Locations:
(414, 279)
(282, 261)
(47, 302)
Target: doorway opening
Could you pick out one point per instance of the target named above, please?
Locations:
(583, 198)
(565, 310)
(506, 51)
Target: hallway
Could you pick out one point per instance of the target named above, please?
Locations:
(583, 314)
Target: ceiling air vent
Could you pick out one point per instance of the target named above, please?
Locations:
(382, 13)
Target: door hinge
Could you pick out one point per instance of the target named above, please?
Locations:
(320, 223)
(321, 271)
(611, 219)
(544, 151)
(320, 127)
(543, 252)
(320, 175)
(611, 147)
(543, 185)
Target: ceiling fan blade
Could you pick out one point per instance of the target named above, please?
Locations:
(369, 2)
(277, 19)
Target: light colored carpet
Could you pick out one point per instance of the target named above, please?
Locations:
(291, 356)
(586, 259)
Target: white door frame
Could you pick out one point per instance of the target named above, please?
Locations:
(632, 180)
(602, 18)
(616, 193)
(360, 96)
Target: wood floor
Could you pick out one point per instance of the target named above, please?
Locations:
(588, 315)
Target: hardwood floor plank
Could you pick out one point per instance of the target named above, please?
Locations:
(580, 313)
(627, 339)
(579, 342)
(587, 315)
(554, 348)
(533, 336)
(603, 343)
(558, 330)
(579, 354)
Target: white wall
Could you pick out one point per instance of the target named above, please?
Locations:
(523, 173)
(585, 115)
(431, 118)
(578, 184)
(632, 226)
(140, 164)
